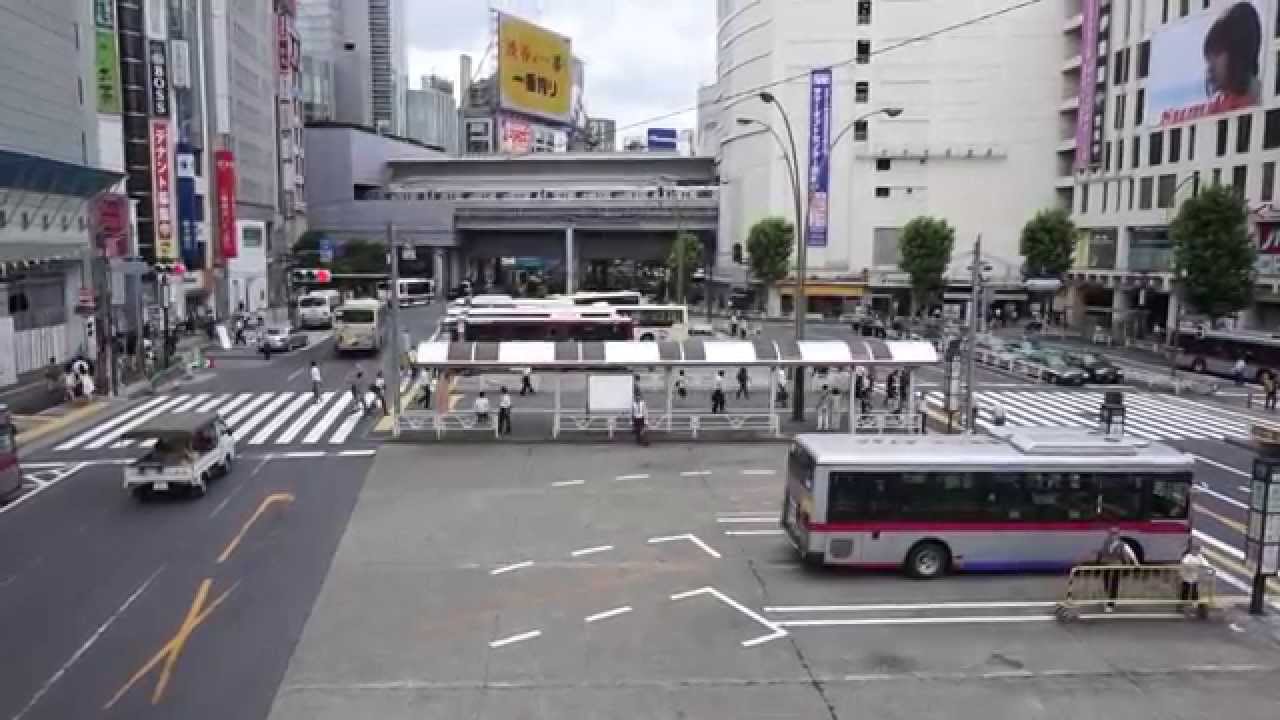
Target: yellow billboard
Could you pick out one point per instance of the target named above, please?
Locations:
(534, 74)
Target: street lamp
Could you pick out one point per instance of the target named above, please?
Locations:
(890, 112)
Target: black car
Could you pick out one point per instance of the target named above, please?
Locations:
(1097, 368)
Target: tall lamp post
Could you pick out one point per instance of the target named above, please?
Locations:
(792, 159)
(1175, 293)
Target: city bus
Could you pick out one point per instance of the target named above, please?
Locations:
(358, 325)
(1216, 351)
(416, 291)
(10, 470)
(1030, 499)
(667, 323)
(548, 323)
(608, 297)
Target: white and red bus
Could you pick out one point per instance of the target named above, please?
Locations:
(1034, 499)
(546, 323)
(10, 470)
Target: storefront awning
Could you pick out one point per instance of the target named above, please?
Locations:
(826, 289)
(19, 171)
(18, 252)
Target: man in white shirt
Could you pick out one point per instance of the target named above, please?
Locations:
(380, 391)
(504, 413)
(481, 408)
(717, 393)
(639, 416)
(526, 382)
(1193, 568)
(316, 381)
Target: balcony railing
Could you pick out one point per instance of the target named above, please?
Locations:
(707, 195)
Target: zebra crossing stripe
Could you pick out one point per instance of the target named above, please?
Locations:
(239, 415)
(242, 430)
(1133, 424)
(280, 419)
(1039, 413)
(184, 407)
(240, 399)
(115, 434)
(213, 403)
(97, 430)
(345, 428)
(1222, 425)
(316, 432)
(304, 418)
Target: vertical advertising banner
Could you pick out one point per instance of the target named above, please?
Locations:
(1088, 81)
(225, 178)
(106, 68)
(187, 231)
(1097, 124)
(1207, 63)
(158, 85)
(161, 189)
(819, 155)
(110, 214)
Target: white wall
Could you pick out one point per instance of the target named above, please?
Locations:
(247, 272)
(992, 88)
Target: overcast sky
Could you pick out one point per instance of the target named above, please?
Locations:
(643, 57)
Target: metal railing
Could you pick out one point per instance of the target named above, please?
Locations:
(1106, 587)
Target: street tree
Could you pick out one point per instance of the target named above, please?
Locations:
(1213, 255)
(686, 247)
(926, 244)
(770, 243)
(356, 255)
(1048, 244)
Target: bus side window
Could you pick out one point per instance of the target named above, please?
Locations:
(1006, 496)
(847, 496)
(1170, 496)
(1119, 496)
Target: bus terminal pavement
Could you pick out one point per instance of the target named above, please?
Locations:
(585, 581)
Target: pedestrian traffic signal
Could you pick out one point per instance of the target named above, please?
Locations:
(168, 267)
(737, 253)
(314, 276)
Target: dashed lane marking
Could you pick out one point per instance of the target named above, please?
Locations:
(695, 473)
(515, 638)
(591, 550)
(509, 568)
(691, 538)
(759, 472)
(607, 614)
(567, 483)
(741, 533)
(638, 476)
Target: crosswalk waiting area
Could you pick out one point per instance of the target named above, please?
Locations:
(1154, 417)
(262, 418)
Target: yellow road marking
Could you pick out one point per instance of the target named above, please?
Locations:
(1234, 524)
(1236, 567)
(268, 502)
(172, 649)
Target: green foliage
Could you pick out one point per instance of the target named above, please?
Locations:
(1048, 244)
(1212, 252)
(356, 255)
(769, 246)
(926, 246)
(688, 245)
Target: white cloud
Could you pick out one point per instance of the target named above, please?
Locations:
(643, 58)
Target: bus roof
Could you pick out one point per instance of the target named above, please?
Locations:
(1011, 447)
(362, 303)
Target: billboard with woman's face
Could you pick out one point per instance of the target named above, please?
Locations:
(1206, 64)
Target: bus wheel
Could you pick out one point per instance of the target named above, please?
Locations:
(928, 559)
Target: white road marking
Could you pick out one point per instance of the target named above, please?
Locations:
(515, 638)
(1215, 542)
(979, 619)
(294, 375)
(324, 423)
(759, 472)
(302, 454)
(1243, 488)
(73, 468)
(97, 430)
(79, 653)
(240, 399)
(113, 435)
(776, 628)
(509, 568)
(687, 536)
(241, 430)
(910, 606)
(641, 476)
(348, 424)
(282, 417)
(567, 483)
(591, 550)
(607, 614)
(1221, 466)
(358, 453)
(304, 418)
(695, 473)
(215, 402)
(238, 416)
(739, 533)
(738, 520)
(184, 407)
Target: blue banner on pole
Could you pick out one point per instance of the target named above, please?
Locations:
(188, 233)
(662, 139)
(819, 155)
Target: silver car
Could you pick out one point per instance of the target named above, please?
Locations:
(282, 339)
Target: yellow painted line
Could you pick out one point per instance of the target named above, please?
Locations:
(172, 650)
(268, 502)
(384, 425)
(76, 415)
(1240, 570)
(1234, 524)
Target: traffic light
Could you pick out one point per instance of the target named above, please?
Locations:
(168, 267)
(737, 253)
(312, 276)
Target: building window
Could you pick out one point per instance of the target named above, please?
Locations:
(1084, 198)
(1184, 8)
(1121, 75)
(863, 52)
(1195, 183)
(1244, 129)
(1164, 11)
(1132, 194)
(1119, 122)
(1271, 128)
(1136, 158)
(862, 91)
(1155, 149)
(1175, 144)
(1144, 59)
(1106, 187)
(1277, 88)
(1239, 177)
(1145, 187)
(1268, 182)
(882, 192)
(860, 131)
(864, 12)
(1191, 143)
(1139, 105)
(1106, 155)
(1222, 137)
(1217, 176)
(883, 164)
(1165, 188)
(1119, 154)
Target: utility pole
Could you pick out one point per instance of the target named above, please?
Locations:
(394, 387)
(975, 288)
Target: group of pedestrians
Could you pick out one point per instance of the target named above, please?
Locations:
(76, 379)
(378, 388)
(1117, 554)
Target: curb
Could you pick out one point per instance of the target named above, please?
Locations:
(43, 430)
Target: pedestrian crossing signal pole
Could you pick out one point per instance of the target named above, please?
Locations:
(394, 292)
(975, 288)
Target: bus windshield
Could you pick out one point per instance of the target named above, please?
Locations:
(312, 301)
(357, 316)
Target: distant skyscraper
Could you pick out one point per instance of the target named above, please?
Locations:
(432, 114)
(364, 41)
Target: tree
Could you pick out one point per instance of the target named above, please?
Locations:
(1048, 244)
(1212, 253)
(926, 245)
(770, 243)
(688, 245)
(357, 255)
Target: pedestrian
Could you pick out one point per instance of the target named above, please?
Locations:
(481, 408)
(639, 417)
(526, 382)
(733, 324)
(69, 382)
(316, 381)
(743, 379)
(1192, 568)
(424, 395)
(1269, 387)
(1114, 552)
(380, 391)
(504, 413)
(1237, 370)
(264, 346)
(682, 385)
(239, 337)
(891, 389)
(868, 392)
(780, 379)
(357, 393)
(717, 393)
(825, 402)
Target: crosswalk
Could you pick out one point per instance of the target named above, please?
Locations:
(255, 418)
(1150, 416)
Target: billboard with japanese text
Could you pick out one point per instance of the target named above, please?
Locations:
(534, 70)
(819, 155)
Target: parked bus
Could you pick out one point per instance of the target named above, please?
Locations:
(1216, 351)
(1032, 499)
(416, 291)
(10, 470)
(358, 325)
(658, 322)
(608, 297)
(548, 323)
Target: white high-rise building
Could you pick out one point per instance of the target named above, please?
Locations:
(432, 114)
(974, 144)
(362, 41)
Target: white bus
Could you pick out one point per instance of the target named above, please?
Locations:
(416, 291)
(358, 325)
(666, 323)
(547, 323)
(1032, 499)
(608, 297)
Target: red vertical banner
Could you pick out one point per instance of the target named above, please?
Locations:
(162, 189)
(225, 177)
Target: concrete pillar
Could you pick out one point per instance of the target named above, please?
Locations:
(455, 267)
(1171, 318)
(437, 270)
(1119, 313)
(570, 262)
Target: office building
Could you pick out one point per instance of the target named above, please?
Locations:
(432, 114)
(357, 48)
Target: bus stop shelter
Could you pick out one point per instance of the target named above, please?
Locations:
(602, 360)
